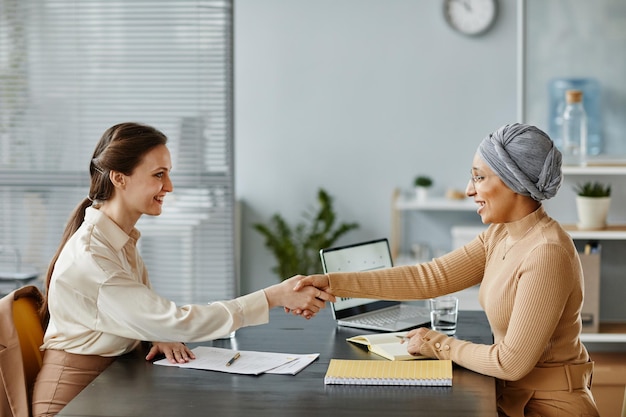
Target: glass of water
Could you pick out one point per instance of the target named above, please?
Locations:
(444, 312)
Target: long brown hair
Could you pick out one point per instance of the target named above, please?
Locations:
(121, 148)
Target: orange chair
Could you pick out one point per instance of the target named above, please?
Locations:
(21, 335)
(30, 333)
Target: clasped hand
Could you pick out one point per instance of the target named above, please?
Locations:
(313, 284)
(307, 301)
(321, 283)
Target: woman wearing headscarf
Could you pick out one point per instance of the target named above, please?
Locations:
(530, 276)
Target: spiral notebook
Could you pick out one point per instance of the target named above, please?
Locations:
(374, 372)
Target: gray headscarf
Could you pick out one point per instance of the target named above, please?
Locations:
(525, 159)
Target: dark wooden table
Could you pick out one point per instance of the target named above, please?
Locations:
(132, 387)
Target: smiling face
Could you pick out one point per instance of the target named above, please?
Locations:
(150, 181)
(497, 203)
(143, 191)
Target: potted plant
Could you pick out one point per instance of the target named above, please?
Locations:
(592, 202)
(296, 248)
(422, 184)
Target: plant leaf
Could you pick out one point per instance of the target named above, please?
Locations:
(296, 249)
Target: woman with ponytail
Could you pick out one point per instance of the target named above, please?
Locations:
(98, 294)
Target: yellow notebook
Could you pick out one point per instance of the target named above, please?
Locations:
(386, 345)
(376, 372)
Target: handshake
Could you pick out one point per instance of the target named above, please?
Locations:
(305, 296)
(301, 295)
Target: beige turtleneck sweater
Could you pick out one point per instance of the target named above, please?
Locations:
(531, 290)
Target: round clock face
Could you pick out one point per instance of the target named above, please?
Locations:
(470, 17)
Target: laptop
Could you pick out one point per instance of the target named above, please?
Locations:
(364, 313)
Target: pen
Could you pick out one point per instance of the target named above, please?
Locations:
(233, 359)
(404, 338)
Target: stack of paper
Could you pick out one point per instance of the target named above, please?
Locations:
(248, 362)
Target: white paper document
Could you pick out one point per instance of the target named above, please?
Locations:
(248, 362)
(293, 367)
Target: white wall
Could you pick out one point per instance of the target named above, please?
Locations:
(358, 97)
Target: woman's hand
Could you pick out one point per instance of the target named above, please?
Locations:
(416, 340)
(306, 301)
(319, 281)
(175, 352)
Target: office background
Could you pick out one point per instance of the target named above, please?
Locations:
(355, 96)
(359, 97)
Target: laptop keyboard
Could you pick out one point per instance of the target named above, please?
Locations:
(391, 316)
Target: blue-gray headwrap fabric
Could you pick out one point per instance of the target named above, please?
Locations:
(525, 159)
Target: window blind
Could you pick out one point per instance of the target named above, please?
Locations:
(68, 71)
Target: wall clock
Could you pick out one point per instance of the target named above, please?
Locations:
(470, 17)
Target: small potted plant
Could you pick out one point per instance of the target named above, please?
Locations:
(296, 247)
(592, 202)
(422, 184)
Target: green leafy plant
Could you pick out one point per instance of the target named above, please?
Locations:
(593, 189)
(423, 181)
(296, 248)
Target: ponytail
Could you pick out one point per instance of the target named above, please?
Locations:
(76, 219)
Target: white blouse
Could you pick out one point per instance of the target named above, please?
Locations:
(101, 301)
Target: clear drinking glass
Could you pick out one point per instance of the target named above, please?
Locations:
(444, 312)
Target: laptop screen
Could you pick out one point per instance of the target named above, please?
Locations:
(363, 256)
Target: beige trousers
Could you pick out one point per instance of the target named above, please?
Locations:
(549, 392)
(62, 376)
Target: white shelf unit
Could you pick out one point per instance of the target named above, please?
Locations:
(609, 332)
(402, 202)
(612, 232)
(436, 203)
(595, 169)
